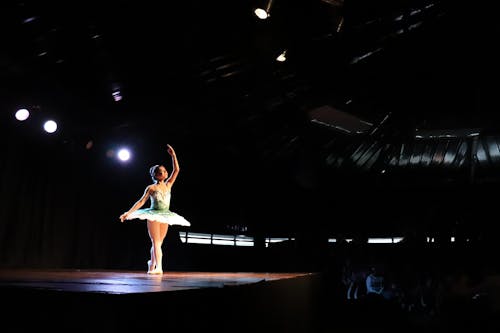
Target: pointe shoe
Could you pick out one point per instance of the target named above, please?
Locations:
(151, 267)
(156, 271)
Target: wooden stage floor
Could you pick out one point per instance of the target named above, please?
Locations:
(133, 301)
(126, 282)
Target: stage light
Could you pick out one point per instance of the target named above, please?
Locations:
(123, 154)
(117, 96)
(281, 57)
(116, 92)
(110, 153)
(22, 114)
(50, 126)
(29, 19)
(264, 13)
(261, 13)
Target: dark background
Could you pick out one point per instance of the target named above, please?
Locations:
(202, 77)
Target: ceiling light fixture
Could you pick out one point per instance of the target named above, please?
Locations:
(264, 13)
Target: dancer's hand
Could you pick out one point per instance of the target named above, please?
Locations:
(170, 150)
(123, 217)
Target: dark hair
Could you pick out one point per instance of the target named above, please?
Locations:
(153, 170)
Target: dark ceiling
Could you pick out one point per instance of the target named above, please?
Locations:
(203, 75)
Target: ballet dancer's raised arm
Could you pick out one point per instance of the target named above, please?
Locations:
(175, 167)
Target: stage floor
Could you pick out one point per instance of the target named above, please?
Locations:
(62, 300)
(127, 282)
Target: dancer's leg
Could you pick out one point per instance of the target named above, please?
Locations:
(159, 255)
(154, 231)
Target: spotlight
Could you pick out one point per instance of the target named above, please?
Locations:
(22, 114)
(123, 155)
(116, 92)
(89, 145)
(50, 126)
(264, 13)
(281, 57)
(110, 153)
(117, 96)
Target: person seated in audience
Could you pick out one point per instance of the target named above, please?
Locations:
(375, 283)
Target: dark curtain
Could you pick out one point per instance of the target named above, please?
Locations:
(59, 209)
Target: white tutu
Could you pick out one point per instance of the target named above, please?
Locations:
(159, 211)
(163, 216)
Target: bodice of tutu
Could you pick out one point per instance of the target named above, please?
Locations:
(159, 210)
(160, 200)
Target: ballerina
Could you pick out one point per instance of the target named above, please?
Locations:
(158, 215)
